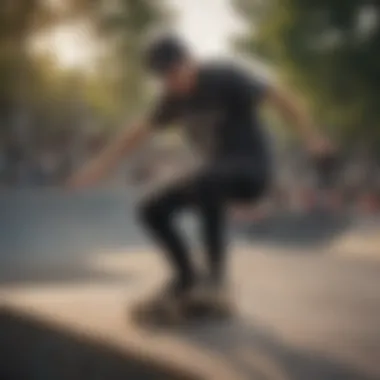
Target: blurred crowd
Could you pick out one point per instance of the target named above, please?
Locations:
(337, 187)
(348, 185)
(47, 163)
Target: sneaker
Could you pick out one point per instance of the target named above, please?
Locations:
(173, 292)
(210, 291)
(164, 305)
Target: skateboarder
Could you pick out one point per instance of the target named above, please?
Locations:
(217, 104)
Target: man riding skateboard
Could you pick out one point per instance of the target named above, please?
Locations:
(217, 104)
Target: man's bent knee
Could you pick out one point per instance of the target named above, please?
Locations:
(156, 210)
(150, 212)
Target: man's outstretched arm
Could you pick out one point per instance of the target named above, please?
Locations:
(97, 168)
(286, 104)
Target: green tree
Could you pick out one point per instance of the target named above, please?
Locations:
(123, 29)
(36, 81)
(19, 20)
(327, 49)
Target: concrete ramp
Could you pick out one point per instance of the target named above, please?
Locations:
(299, 318)
(33, 348)
(83, 331)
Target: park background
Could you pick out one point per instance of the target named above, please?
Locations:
(72, 75)
(305, 262)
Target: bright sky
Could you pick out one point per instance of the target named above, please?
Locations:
(71, 44)
(205, 24)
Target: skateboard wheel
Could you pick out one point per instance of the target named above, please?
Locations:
(156, 313)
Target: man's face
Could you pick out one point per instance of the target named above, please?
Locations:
(180, 79)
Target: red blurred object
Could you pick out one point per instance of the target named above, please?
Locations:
(369, 203)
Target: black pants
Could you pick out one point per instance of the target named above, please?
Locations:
(207, 192)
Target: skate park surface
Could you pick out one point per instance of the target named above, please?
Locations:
(71, 266)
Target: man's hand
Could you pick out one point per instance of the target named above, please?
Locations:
(317, 144)
(84, 178)
(110, 157)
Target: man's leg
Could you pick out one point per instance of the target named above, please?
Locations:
(157, 214)
(211, 201)
(203, 191)
(216, 188)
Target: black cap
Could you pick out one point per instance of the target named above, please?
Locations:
(164, 53)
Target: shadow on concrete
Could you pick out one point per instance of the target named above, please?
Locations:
(259, 354)
(34, 350)
(313, 230)
(60, 274)
(52, 237)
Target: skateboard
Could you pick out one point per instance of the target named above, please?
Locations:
(200, 308)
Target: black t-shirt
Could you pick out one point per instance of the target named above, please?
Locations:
(220, 116)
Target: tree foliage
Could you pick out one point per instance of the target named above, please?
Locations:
(327, 49)
(19, 20)
(37, 81)
(121, 28)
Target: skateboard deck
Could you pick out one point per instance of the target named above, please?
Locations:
(181, 313)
